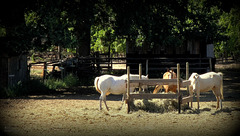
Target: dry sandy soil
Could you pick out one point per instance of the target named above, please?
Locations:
(79, 115)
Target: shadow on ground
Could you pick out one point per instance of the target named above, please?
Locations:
(231, 91)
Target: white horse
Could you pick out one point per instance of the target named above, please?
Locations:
(109, 84)
(206, 82)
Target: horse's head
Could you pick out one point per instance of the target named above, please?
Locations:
(193, 78)
(144, 77)
(144, 87)
(170, 74)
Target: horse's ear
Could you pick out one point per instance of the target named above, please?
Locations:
(168, 70)
(196, 76)
(172, 70)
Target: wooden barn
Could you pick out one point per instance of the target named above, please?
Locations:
(13, 68)
(156, 61)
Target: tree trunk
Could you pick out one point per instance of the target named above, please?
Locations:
(130, 44)
(59, 52)
(84, 39)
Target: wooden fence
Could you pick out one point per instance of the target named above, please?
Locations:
(179, 82)
(152, 65)
(155, 65)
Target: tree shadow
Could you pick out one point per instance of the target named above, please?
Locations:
(196, 111)
(226, 110)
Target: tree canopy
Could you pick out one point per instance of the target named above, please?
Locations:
(94, 25)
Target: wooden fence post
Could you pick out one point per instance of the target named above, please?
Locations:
(210, 64)
(187, 76)
(187, 70)
(178, 78)
(44, 70)
(128, 89)
(178, 88)
(140, 76)
(29, 71)
(146, 66)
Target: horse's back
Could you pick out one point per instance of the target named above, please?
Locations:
(211, 77)
(210, 80)
(104, 82)
(113, 84)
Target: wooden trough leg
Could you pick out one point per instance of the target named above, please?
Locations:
(140, 77)
(178, 88)
(146, 66)
(179, 102)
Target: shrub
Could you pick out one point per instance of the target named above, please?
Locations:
(53, 83)
(24, 88)
(71, 80)
(36, 86)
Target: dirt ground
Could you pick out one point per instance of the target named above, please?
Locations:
(79, 115)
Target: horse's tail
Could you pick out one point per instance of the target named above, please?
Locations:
(96, 86)
(221, 85)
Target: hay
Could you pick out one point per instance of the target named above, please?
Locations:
(155, 105)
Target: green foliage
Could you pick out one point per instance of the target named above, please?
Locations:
(2, 32)
(71, 80)
(68, 82)
(229, 44)
(53, 83)
(201, 22)
(103, 38)
(101, 24)
(24, 88)
(36, 86)
(50, 26)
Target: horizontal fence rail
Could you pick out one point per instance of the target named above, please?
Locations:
(150, 65)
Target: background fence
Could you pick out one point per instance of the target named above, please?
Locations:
(153, 65)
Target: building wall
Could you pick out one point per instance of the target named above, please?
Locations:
(194, 47)
(17, 69)
(12, 70)
(210, 51)
(3, 72)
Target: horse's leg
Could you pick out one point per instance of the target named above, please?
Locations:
(175, 89)
(217, 102)
(123, 98)
(104, 100)
(166, 87)
(198, 95)
(221, 103)
(157, 88)
(217, 94)
(100, 101)
(106, 104)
